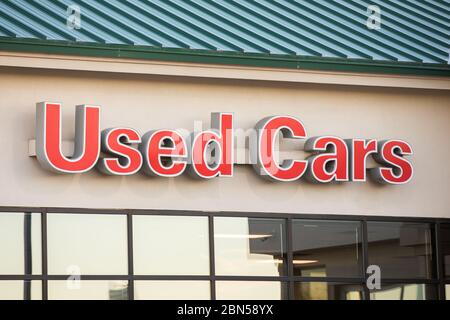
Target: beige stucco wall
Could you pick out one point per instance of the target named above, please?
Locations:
(421, 117)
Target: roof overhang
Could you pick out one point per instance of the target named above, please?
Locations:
(289, 62)
(58, 57)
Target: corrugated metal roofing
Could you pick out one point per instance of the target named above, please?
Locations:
(411, 31)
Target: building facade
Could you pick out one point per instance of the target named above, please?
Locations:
(79, 233)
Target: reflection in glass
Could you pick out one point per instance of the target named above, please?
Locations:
(20, 290)
(324, 248)
(250, 246)
(170, 245)
(84, 244)
(404, 292)
(20, 243)
(171, 290)
(327, 291)
(87, 290)
(251, 290)
(445, 245)
(401, 249)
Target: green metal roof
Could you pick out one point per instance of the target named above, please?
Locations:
(414, 35)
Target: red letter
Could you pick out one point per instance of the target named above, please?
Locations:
(390, 153)
(48, 138)
(160, 148)
(219, 143)
(267, 131)
(116, 141)
(359, 150)
(331, 163)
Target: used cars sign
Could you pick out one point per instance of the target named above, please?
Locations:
(209, 153)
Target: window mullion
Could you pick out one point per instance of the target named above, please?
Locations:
(439, 267)
(290, 259)
(365, 257)
(44, 254)
(130, 256)
(212, 262)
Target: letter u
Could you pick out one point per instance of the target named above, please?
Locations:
(48, 138)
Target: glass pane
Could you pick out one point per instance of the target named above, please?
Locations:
(94, 244)
(401, 249)
(20, 243)
(88, 290)
(327, 291)
(404, 292)
(250, 246)
(447, 292)
(20, 290)
(326, 248)
(445, 244)
(251, 290)
(165, 245)
(171, 290)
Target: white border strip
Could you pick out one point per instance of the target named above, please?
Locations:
(150, 67)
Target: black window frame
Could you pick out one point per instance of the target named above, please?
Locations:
(439, 280)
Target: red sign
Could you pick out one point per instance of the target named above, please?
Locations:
(208, 154)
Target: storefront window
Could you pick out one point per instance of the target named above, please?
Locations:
(170, 245)
(87, 290)
(250, 246)
(327, 291)
(171, 290)
(87, 244)
(170, 258)
(404, 292)
(401, 249)
(20, 290)
(20, 243)
(251, 290)
(326, 248)
(445, 245)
